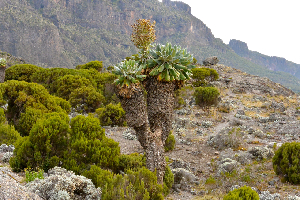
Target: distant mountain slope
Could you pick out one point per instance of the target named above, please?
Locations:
(271, 62)
(65, 33)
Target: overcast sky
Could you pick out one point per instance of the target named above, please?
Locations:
(271, 27)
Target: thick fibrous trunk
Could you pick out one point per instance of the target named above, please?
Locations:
(160, 104)
(2, 74)
(152, 122)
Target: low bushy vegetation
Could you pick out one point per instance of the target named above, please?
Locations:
(202, 76)
(242, 193)
(286, 162)
(111, 115)
(206, 96)
(21, 72)
(97, 65)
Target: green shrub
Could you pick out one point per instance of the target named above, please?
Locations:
(242, 193)
(141, 184)
(21, 72)
(86, 99)
(133, 162)
(168, 181)
(45, 146)
(286, 162)
(111, 115)
(97, 65)
(3, 62)
(89, 145)
(8, 134)
(170, 142)
(28, 119)
(206, 96)
(2, 116)
(31, 175)
(68, 83)
(202, 76)
(99, 177)
(21, 95)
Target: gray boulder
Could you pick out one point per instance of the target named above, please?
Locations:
(183, 179)
(211, 61)
(4, 148)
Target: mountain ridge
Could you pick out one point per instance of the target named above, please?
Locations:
(65, 33)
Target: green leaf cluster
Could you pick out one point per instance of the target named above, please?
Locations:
(129, 72)
(202, 76)
(286, 162)
(170, 63)
(206, 96)
(242, 193)
(8, 133)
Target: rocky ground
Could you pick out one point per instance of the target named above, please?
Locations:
(229, 145)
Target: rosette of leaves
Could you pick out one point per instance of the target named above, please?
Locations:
(170, 63)
(129, 76)
(3, 62)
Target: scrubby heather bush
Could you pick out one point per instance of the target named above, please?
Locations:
(133, 162)
(206, 96)
(170, 142)
(21, 95)
(286, 162)
(86, 99)
(68, 83)
(2, 116)
(242, 193)
(97, 65)
(45, 145)
(139, 185)
(8, 134)
(89, 145)
(63, 184)
(111, 115)
(168, 181)
(21, 72)
(28, 119)
(202, 76)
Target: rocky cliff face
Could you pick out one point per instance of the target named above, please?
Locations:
(65, 33)
(273, 63)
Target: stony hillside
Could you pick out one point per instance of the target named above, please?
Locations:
(270, 62)
(227, 146)
(65, 33)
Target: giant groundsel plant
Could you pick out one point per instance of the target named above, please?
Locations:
(170, 63)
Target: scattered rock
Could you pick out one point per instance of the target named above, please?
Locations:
(211, 61)
(227, 165)
(129, 134)
(183, 179)
(6, 157)
(4, 148)
(265, 195)
(206, 124)
(261, 152)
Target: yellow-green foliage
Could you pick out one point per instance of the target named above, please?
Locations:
(68, 83)
(89, 145)
(47, 141)
(242, 193)
(97, 65)
(28, 119)
(133, 162)
(20, 95)
(170, 142)
(141, 184)
(286, 161)
(111, 115)
(88, 97)
(51, 141)
(21, 72)
(8, 134)
(206, 96)
(168, 181)
(203, 75)
(2, 116)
